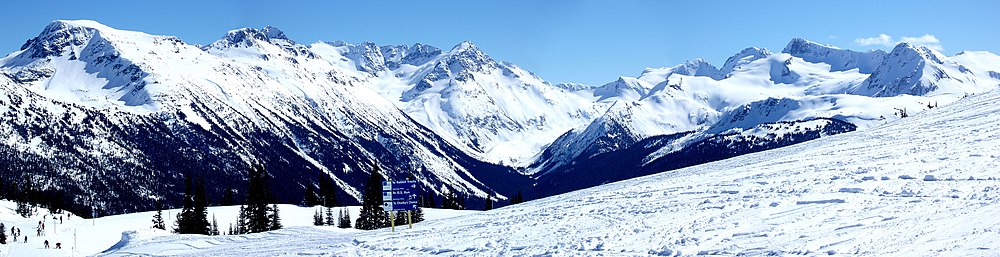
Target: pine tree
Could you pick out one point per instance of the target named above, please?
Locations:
(318, 218)
(329, 217)
(241, 221)
(3, 234)
(372, 215)
(231, 230)
(215, 227)
(182, 225)
(418, 215)
(200, 214)
(345, 219)
(401, 218)
(275, 218)
(489, 203)
(158, 217)
(23, 209)
(256, 211)
(193, 218)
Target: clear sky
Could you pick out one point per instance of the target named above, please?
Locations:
(591, 42)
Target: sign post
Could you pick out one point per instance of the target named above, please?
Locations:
(399, 196)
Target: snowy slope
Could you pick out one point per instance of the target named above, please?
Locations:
(86, 237)
(923, 185)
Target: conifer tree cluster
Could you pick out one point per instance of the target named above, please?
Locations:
(255, 215)
(193, 218)
(345, 219)
(372, 215)
(318, 218)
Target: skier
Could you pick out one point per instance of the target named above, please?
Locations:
(46, 244)
(58, 245)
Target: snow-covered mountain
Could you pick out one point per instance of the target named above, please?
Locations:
(922, 185)
(99, 113)
(674, 117)
(495, 111)
(91, 106)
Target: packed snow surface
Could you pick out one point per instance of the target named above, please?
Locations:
(86, 237)
(857, 193)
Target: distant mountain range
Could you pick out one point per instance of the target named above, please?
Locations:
(115, 119)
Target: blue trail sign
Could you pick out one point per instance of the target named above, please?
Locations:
(399, 195)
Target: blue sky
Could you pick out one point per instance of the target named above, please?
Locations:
(590, 42)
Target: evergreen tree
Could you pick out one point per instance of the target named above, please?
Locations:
(329, 217)
(241, 222)
(256, 211)
(158, 217)
(372, 215)
(418, 215)
(23, 209)
(318, 218)
(182, 225)
(3, 234)
(275, 218)
(193, 218)
(200, 209)
(489, 203)
(345, 219)
(215, 227)
(401, 218)
(231, 230)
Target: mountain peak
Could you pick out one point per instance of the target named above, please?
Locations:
(746, 56)
(60, 35)
(245, 37)
(909, 51)
(274, 33)
(838, 59)
(801, 44)
(465, 46)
